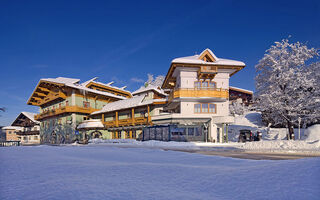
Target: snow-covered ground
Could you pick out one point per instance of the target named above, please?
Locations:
(100, 172)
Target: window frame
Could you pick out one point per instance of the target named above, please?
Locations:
(208, 108)
(208, 82)
(86, 104)
(196, 104)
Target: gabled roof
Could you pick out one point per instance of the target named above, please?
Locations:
(20, 119)
(30, 116)
(122, 104)
(196, 59)
(74, 83)
(150, 87)
(206, 58)
(135, 101)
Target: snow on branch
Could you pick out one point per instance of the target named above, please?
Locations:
(286, 86)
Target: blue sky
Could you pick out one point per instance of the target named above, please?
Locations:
(122, 41)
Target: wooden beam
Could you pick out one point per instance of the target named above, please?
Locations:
(37, 98)
(149, 118)
(44, 89)
(132, 116)
(117, 119)
(40, 94)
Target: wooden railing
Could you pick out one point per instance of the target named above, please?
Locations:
(9, 143)
(127, 122)
(199, 92)
(65, 109)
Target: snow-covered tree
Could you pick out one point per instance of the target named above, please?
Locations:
(238, 108)
(155, 82)
(285, 84)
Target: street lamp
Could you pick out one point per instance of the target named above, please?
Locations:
(299, 120)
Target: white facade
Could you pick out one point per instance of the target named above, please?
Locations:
(200, 96)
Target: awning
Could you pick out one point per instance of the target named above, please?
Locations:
(91, 124)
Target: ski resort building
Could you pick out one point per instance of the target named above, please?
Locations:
(198, 102)
(65, 102)
(24, 129)
(192, 105)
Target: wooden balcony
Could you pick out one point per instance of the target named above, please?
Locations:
(65, 109)
(207, 72)
(127, 122)
(199, 92)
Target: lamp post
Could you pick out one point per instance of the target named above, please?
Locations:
(299, 120)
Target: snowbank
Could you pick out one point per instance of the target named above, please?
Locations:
(252, 119)
(160, 144)
(282, 145)
(313, 133)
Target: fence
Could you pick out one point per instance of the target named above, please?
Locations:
(9, 143)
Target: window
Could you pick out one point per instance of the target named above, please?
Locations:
(25, 138)
(35, 137)
(212, 108)
(198, 131)
(197, 84)
(190, 131)
(197, 108)
(205, 84)
(86, 104)
(212, 84)
(59, 105)
(67, 103)
(204, 108)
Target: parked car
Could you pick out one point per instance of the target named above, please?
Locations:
(245, 135)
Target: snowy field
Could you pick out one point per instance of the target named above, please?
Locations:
(106, 172)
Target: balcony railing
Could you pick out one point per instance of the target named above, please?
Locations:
(199, 92)
(127, 122)
(65, 109)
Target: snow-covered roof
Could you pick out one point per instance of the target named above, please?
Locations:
(92, 123)
(12, 128)
(244, 90)
(75, 83)
(108, 85)
(150, 87)
(30, 116)
(218, 61)
(127, 103)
